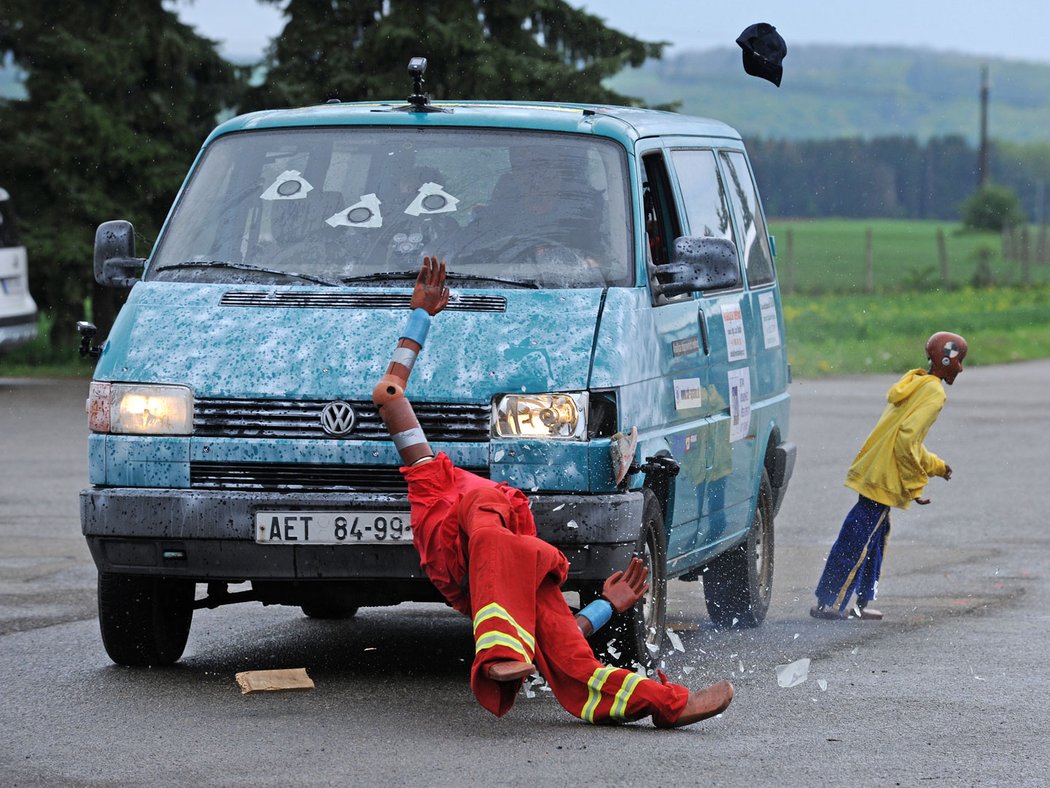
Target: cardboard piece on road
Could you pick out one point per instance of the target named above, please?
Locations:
(274, 680)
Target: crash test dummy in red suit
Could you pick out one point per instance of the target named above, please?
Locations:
(477, 543)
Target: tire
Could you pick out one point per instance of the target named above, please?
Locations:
(329, 611)
(738, 584)
(638, 633)
(144, 620)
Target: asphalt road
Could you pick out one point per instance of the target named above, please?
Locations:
(950, 689)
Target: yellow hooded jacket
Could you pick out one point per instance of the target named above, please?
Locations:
(893, 466)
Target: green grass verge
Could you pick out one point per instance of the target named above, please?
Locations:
(856, 334)
(829, 256)
(38, 359)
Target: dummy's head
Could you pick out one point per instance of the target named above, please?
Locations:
(946, 352)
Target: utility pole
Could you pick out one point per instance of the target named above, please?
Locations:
(982, 155)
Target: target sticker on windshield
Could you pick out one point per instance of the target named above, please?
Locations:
(290, 185)
(363, 213)
(432, 198)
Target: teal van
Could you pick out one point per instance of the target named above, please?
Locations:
(614, 347)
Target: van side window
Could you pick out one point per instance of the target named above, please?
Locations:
(758, 261)
(661, 220)
(703, 194)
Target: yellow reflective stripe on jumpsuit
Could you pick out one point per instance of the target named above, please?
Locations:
(595, 695)
(525, 644)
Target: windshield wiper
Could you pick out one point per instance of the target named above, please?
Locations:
(246, 267)
(383, 276)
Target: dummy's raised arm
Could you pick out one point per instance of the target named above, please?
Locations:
(429, 297)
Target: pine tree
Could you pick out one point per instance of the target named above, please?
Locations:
(489, 49)
(120, 95)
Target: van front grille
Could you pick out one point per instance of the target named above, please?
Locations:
(263, 418)
(300, 477)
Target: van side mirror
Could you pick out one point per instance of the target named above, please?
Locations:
(115, 261)
(697, 264)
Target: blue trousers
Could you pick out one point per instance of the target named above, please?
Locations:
(855, 560)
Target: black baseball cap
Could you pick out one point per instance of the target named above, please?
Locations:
(764, 50)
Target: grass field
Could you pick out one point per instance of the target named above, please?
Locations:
(829, 256)
(854, 334)
(835, 327)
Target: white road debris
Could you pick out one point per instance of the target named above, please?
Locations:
(794, 673)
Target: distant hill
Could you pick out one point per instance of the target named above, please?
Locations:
(832, 92)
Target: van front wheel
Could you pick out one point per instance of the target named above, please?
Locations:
(144, 620)
(635, 636)
(739, 583)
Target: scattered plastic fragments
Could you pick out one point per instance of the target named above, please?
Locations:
(794, 673)
(676, 641)
(823, 684)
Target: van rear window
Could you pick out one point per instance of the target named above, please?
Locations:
(354, 205)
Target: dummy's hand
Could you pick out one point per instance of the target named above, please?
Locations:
(947, 472)
(624, 589)
(430, 292)
(922, 501)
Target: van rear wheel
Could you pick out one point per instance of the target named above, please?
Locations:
(144, 620)
(739, 583)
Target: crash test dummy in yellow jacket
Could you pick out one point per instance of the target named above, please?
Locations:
(891, 469)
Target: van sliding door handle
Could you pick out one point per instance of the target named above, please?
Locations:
(703, 333)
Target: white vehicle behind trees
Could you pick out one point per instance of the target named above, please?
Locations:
(18, 314)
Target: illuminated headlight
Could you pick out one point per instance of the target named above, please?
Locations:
(561, 416)
(131, 409)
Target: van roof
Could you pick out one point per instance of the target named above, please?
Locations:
(624, 123)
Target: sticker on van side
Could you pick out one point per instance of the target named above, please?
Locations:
(736, 340)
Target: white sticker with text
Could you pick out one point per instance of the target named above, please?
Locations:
(770, 328)
(687, 393)
(739, 403)
(736, 340)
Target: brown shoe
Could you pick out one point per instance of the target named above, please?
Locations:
(866, 614)
(509, 670)
(829, 613)
(701, 704)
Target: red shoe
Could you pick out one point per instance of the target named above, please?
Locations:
(829, 613)
(508, 670)
(701, 704)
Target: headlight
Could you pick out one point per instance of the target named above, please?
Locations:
(561, 416)
(132, 409)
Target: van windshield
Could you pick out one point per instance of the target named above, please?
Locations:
(363, 205)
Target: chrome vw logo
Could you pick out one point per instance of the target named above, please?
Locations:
(338, 419)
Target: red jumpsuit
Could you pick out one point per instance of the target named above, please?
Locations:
(477, 543)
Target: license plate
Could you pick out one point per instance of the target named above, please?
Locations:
(294, 528)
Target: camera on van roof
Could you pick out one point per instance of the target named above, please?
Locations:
(417, 66)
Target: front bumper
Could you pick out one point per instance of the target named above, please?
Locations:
(209, 536)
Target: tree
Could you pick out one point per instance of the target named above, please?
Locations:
(489, 49)
(992, 207)
(120, 95)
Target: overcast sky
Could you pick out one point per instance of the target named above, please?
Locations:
(1015, 29)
